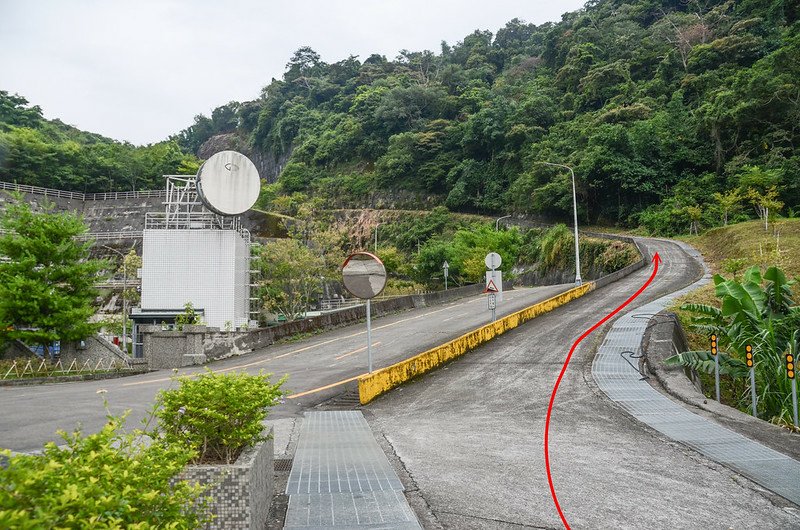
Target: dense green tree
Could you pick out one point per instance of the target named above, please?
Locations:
(46, 276)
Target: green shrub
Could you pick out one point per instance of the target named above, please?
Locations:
(102, 480)
(189, 317)
(217, 415)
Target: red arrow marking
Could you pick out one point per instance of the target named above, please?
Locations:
(656, 261)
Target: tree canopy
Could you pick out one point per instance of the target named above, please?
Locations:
(658, 106)
(47, 280)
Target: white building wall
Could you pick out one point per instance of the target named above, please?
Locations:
(204, 267)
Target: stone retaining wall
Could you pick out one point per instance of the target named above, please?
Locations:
(242, 492)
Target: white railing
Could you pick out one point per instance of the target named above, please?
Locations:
(119, 195)
(47, 192)
(21, 369)
(106, 196)
(110, 236)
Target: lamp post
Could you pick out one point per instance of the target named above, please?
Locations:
(497, 223)
(124, 296)
(578, 280)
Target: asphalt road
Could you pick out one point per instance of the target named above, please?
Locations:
(468, 439)
(31, 415)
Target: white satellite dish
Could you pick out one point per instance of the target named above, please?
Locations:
(228, 183)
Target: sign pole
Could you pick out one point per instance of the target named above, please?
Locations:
(364, 276)
(716, 364)
(369, 335)
(790, 373)
(749, 359)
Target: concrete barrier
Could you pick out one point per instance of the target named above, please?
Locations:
(381, 381)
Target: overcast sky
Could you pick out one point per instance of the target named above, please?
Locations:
(141, 70)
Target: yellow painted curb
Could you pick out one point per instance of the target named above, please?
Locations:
(381, 381)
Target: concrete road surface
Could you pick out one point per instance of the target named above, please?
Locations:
(468, 439)
(30, 415)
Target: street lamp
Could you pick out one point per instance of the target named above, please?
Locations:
(497, 223)
(578, 280)
(124, 296)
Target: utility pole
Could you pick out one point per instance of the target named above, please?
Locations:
(578, 280)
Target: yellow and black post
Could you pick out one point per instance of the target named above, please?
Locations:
(790, 372)
(716, 362)
(748, 353)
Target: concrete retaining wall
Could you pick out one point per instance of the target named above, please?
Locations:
(199, 344)
(96, 349)
(381, 381)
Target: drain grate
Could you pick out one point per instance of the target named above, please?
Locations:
(345, 401)
(283, 465)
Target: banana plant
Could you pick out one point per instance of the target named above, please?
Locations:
(760, 311)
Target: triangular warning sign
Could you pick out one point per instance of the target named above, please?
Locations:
(491, 287)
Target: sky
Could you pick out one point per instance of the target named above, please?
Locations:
(140, 71)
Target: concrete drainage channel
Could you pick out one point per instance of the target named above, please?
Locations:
(622, 382)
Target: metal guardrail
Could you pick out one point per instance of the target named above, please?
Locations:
(106, 196)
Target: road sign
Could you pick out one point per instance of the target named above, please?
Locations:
(493, 260)
(496, 279)
(491, 288)
(492, 301)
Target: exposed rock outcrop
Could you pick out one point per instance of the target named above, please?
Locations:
(269, 166)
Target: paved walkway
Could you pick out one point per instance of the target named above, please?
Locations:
(341, 478)
(613, 370)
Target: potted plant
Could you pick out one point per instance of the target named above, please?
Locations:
(221, 417)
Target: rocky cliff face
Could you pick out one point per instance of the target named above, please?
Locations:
(269, 166)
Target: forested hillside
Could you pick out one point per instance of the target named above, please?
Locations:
(674, 115)
(49, 153)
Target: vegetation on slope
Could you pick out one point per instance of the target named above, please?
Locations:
(738, 253)
(51, 154)
(657, 106)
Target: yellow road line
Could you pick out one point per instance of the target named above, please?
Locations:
(355, 351)
(299, 350)
(320, 389)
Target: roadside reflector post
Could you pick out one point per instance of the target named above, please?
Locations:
(716, 363)
(749, 359)
(790, 360)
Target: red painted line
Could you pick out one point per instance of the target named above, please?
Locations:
(656, 261)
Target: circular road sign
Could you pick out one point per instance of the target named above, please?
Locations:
(364, 275)
(228, 183)
(493, 260)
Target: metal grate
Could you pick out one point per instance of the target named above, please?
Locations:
(283, 465)
(345, 401)
(341, 478)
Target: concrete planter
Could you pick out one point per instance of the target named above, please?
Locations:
(242, 491)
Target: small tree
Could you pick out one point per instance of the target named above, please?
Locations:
(728, 203)
(766, 203)
(47, 281)
(291, 276)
